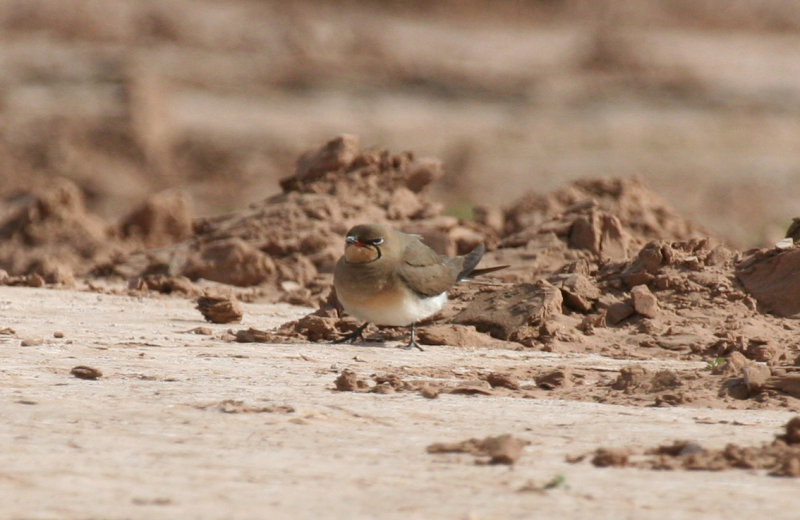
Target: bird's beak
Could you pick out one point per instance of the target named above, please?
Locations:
(353, 240)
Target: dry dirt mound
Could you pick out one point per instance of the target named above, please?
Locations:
(595, 220)
(48, 236)
(289, 243)
(603, 215)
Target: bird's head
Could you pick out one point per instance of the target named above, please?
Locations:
(364, 242)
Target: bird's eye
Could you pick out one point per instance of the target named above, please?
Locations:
(376, 241)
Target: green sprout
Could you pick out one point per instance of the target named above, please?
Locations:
(559, 481)
(714, 363)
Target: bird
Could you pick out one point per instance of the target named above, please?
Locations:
(387, 277)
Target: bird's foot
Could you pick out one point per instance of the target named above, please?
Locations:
(356, 334)
(412, 344)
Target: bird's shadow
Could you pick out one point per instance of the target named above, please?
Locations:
(373, 344)
(369, 342)
(364, 343)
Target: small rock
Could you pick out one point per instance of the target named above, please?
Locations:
(393, 381)
(220, 309)
(630, 378)
(577, 289)
(787, 383)
(58, 334)
(429, 392)
(759, 351)
(348, 381)
(504, 380)
(252, 335)
(793, 431)
(772, 280)
(644, 301)
(472, 388)
(32, 341)
(504, 449)
(85, 372)
(202, 331)
(618, 311)
(789, 467)
(755, 377)
(561, 377)
(164, 284)
(454, 335)
(690, 448)
(503, 313)
(678, 449)
(646, 264)
(605, 457)
(316, 328)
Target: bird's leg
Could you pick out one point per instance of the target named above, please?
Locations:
(356, 334)
(413, 343)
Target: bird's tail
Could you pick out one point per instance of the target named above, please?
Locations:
(471, 260)
(487, 270)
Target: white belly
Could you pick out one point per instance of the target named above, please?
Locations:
(399, 309)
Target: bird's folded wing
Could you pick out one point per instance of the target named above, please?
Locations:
(425, 272)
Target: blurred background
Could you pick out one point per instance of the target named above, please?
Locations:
(698, 98)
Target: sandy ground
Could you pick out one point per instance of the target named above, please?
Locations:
(188, 426)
